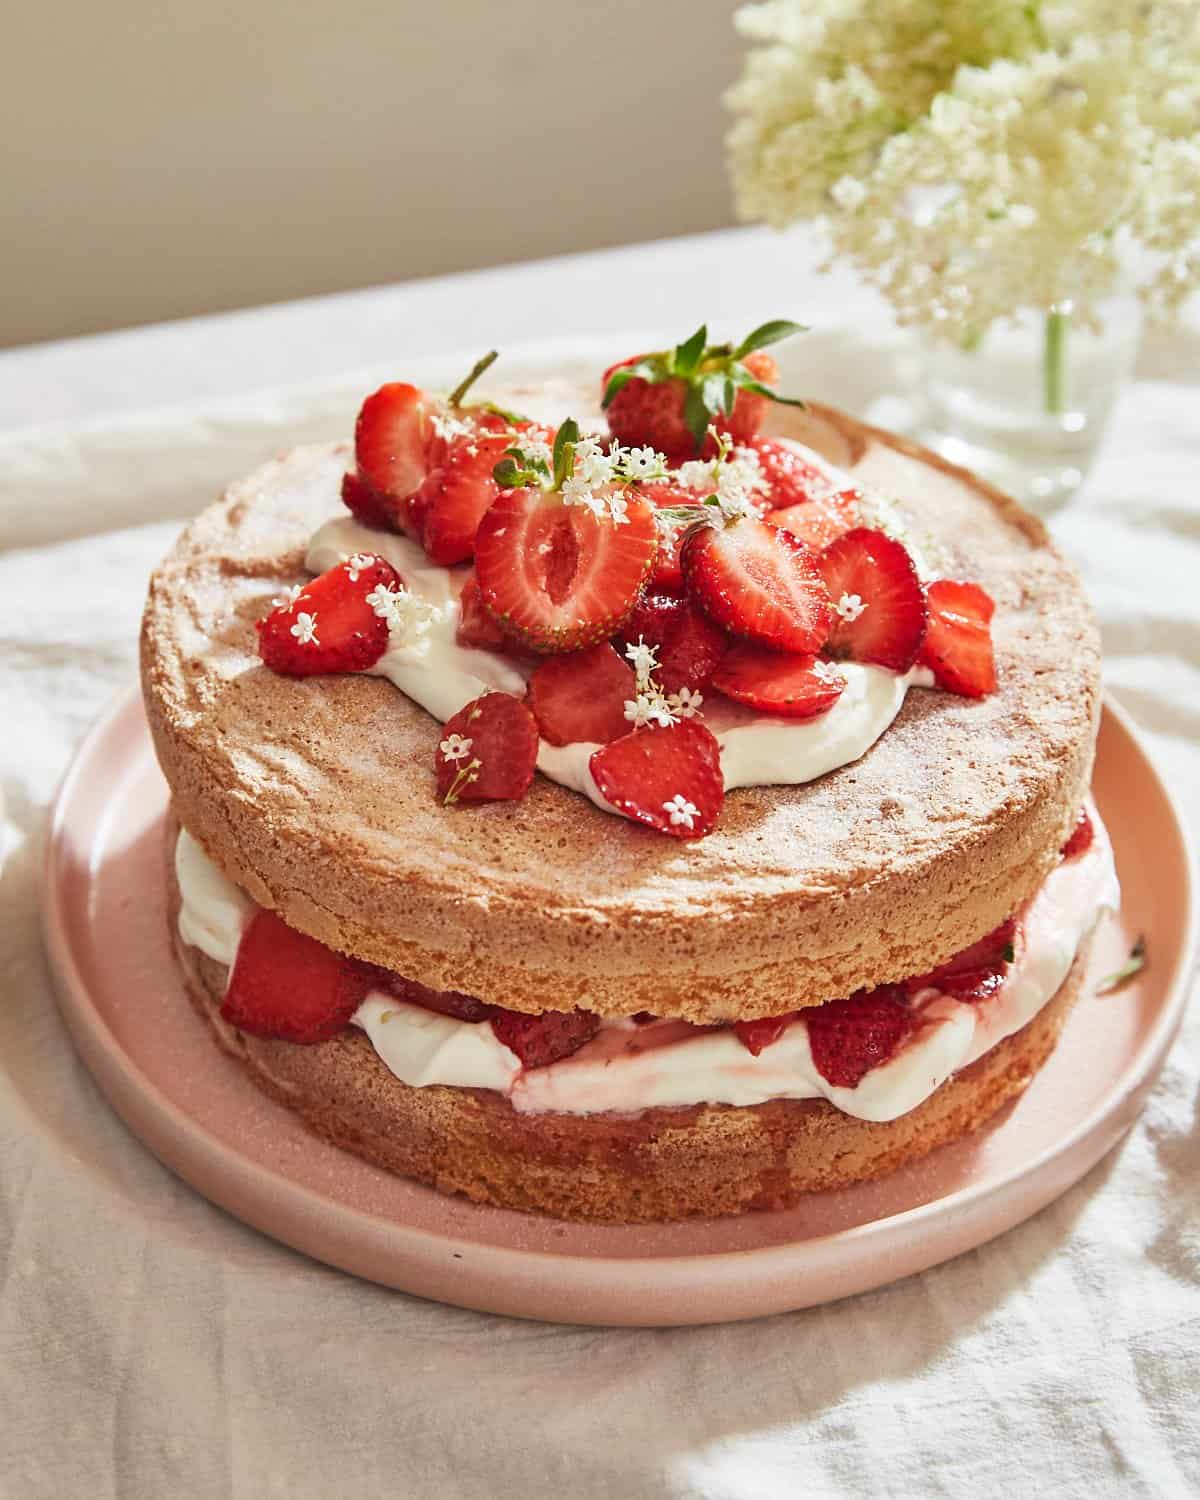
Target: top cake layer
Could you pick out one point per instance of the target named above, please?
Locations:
(316, 796)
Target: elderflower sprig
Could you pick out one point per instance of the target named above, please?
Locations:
(583, 470)
(650, 705)
(973, 160)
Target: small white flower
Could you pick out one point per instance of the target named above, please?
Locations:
(381, 599)
(535, 449)
(618, 509)
(408, 618)
(593, 466)
(826, 672)
(849, 607)
(455, 747)
(685, 704)
(697, 474)
(577, 491)
(449, 427)
(288, 597)
(357, 565)
(305, 629)
(649, 708)
(848, 193)
(642, 463)
(681, 812)
(643, 659)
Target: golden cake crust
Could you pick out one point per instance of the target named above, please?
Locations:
(316, 795)
(659, 1165)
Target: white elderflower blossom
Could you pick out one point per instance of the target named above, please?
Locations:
(733, 477)
(649, 708)
(536, 450)
(685, 704)
(645, 465)
(681, 812)
(409, 619)
(849, 607)
(826, 672)
(305, 629)
(456, 747)
(357, 565)
(448, 427)
(288, 597)
(644, 660)
(975, 160)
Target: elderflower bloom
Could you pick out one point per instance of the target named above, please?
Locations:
(971, 160)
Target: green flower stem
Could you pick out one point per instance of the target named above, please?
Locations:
(1054, 365)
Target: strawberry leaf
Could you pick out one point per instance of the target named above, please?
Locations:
(696, 412)
(746, 382)
(686, 357)
(564, 451)
(768, 333)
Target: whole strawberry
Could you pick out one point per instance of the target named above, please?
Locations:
(670, 398)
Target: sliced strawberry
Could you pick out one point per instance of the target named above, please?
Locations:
(457, 494)
(364, 503)
(977, 971)
(821, 520)
(445, 1002)
(582, 696)
(476, 628)
(790, 687)
(287, 986)
(850, 1037)
(1081, 836)
(330, 626)
(557, 576)
(391, 440)
(878, 601)
(669, 779)
(760, 583)
(689, 644)
(541, 1040)
(958, 641)
(756, 1035)
(790, 478)
(488, 751)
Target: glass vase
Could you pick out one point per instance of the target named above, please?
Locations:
(1026, 403)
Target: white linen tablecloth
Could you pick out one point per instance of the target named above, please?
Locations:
(152, 1346)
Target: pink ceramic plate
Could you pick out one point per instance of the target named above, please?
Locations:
(124, 1002)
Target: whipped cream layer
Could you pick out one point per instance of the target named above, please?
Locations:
(433, 670)
(626, 1068)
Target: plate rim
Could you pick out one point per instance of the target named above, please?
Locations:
(117, 1074)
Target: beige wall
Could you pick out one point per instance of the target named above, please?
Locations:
(160, 159)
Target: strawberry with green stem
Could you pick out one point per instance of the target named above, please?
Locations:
(404, 436)
(670, 398)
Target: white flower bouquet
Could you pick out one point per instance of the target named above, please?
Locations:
(977, 157)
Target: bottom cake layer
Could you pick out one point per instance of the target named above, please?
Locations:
(660, 1164)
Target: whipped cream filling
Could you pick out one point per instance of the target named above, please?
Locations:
(431, 668)
(626, 1068)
